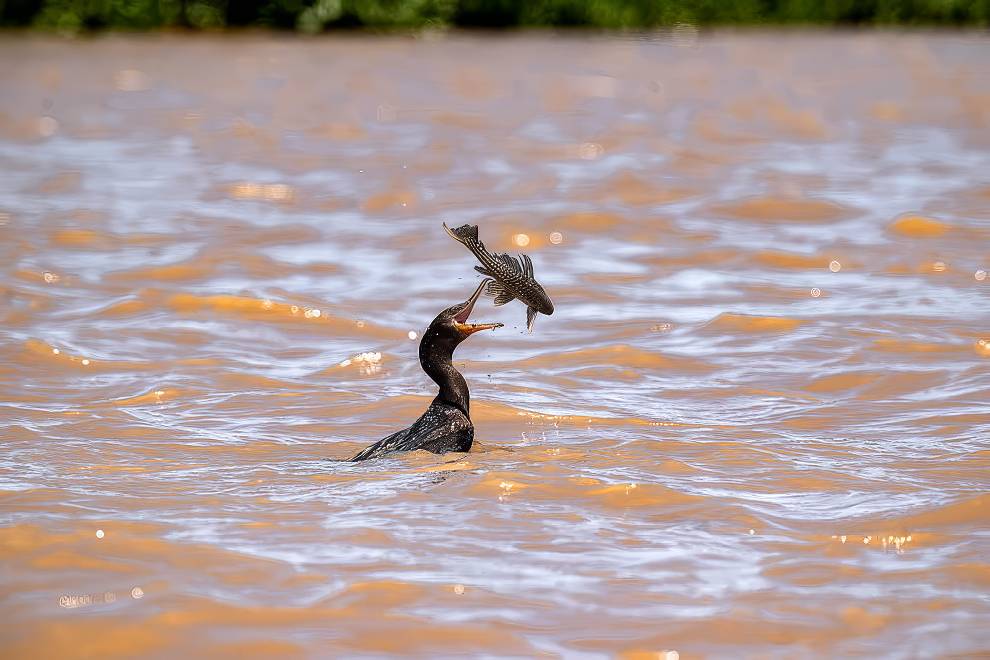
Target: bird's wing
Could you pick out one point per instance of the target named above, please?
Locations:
(439, 429)
(384, 446)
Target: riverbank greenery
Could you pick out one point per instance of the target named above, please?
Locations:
(319, 15)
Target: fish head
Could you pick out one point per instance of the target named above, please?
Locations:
(455, 318)
(540, 301)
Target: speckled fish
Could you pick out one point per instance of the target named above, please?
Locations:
(512, 278)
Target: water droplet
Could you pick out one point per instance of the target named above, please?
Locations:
(85, 362)
(360, 324)
(412, 334)
(56, 351)
(522, 240)
(137, 593)
(459, 589)
(294, 309)
(752, 531)
(556, 237)
(816, 292)
(938, 266)
(834, 266)
(980, 275)
(99, 534)
(312, 313)
(50, 277)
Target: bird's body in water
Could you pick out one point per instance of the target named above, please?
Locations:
(446, 424)
(513, 278)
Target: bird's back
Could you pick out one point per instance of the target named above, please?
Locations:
(440, 429)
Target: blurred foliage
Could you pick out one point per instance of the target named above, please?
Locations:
(318, 15)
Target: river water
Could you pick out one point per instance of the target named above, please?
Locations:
(756, 424)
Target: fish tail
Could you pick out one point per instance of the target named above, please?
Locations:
(463, 234)
(468, 236)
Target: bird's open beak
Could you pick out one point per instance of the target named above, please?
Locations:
(461, 319)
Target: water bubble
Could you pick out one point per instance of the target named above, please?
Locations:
(843, 538)
(816, 292)
(56, 351)
(312, 313)
(99, 534)
(661, 327)
(47, 126)
(752, 531)
(85, 362)
(980, 275)
(267, 304)
(522, 240)
(459, 589)
(50, 277)
(360, 324)
(137, 593)
(556, 237)
(412, 334)
(834, 266)
(938, 266)
(294, 309)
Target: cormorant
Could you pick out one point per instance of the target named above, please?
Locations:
(446, 424)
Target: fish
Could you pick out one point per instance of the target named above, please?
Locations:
(512, 278)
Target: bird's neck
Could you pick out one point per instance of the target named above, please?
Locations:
(435, 356)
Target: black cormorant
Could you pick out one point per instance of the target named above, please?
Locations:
(446, 424)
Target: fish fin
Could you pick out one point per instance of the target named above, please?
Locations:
(502, 295)
(483, 271)
(510, 262)
(530, 318)
(527, 266)
(462, 233)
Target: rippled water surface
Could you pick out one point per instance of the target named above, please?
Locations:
(756, 425)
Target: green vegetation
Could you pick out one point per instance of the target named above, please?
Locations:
(319, 15)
